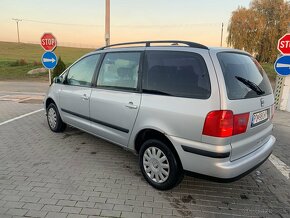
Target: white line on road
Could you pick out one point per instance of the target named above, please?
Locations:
(280, 165)
(23, 93)
(19, 117)
(4, 96)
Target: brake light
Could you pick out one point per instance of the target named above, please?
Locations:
(224, 123)
(218, 124)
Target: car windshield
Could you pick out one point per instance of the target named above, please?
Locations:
(244, 76)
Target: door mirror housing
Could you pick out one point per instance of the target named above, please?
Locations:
(57, 79)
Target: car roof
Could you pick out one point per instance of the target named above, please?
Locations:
(149, 44)
(224, 49)
(175, 45)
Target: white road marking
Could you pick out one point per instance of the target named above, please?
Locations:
(4, 96)
(24, 93)
(280, 165)
(19, 117)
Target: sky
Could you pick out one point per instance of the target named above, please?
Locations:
(80, 23)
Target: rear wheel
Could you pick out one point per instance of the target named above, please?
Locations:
(159, 165)
(54, 120)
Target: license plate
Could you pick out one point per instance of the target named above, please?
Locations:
(259, 117)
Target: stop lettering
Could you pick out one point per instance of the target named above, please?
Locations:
(284, 44)
(48, 42)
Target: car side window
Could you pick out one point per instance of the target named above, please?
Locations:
(119, 70)
(81, 73)
(175, 73)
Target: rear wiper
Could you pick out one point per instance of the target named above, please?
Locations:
(156, 92)
(251, 85)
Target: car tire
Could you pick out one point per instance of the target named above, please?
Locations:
(161, 170)
(54, 120)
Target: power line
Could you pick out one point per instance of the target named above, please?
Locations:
(184, 25)
(64, 24)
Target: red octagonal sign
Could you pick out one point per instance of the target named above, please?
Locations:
(48, 42)
(284, 44)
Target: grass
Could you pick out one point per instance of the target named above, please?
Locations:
(269, 68)
(8, 72)
(11, 52)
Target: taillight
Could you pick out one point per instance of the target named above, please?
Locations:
(218, 124)
(240, 123)
(224, 123)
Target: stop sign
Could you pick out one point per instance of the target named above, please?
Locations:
(284, 44)
(48, 42)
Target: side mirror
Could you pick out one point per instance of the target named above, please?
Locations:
(56, 79)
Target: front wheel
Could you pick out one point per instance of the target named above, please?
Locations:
(54, 120)
(159, 165)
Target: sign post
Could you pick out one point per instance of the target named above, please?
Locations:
(282, 67)
(284, 44)
(49, 60)
(48, 42)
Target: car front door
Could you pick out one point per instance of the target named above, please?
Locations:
(115, 100)
(74, 97)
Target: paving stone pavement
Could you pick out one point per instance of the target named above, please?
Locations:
(9, 110)
(282, 133)
(73, 174)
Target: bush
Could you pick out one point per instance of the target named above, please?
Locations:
(20, 62)
(59, 68)
(37, 63)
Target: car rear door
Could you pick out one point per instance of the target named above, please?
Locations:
(247, 91)
(179, 89)
(116, 98)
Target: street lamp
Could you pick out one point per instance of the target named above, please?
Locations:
(17, 21)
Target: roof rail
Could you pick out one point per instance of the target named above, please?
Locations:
(148, 44)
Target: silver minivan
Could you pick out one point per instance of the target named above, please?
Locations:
(181, 106)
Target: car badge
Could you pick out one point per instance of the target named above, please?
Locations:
(262, 102)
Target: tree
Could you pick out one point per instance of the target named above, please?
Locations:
(244, 31)
(59, 68)
(258, 28)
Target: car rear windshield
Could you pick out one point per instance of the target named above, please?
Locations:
(178, 74)
(244, 76)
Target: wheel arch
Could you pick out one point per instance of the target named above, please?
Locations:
(148, 133)
(48, 101)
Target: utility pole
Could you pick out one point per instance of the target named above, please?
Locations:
(222, 34)
(17, 21)
(107, 23)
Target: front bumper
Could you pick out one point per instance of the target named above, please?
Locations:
(215, 162)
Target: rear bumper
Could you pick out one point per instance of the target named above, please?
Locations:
(216, 162)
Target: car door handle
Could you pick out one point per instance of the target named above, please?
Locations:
(131, 105)
(85, 97)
